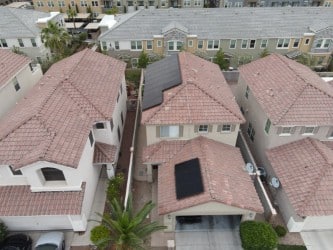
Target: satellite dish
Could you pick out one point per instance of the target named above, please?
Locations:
(275, 182)
(249, 167)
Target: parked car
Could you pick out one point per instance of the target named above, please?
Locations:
(17, 242)
(51, 241)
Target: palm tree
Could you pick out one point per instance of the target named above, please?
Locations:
(72, 14)
(127, 230)
(56, 38)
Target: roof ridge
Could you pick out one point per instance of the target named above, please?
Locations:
(24, 24)
(312, 191)
(212, 97)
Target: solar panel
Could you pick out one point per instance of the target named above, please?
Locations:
(188, 178)
(160, 76)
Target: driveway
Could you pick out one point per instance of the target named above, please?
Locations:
(212, 233)
(318, 240)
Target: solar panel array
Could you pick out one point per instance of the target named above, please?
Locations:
(188, 178)
(160, 76)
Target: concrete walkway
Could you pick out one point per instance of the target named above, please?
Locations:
(318, 240)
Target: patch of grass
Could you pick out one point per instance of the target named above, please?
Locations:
(291, 247)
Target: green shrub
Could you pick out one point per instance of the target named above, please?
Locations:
(133, 75)
(114, 187)
(291, 247)
(3, 231)
(280, 230)
(100, 236)
(257, 235)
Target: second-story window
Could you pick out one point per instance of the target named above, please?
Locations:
(104, 47)
(16, 84)
(116, 45)
(190, 43)
(252, 44)
(33, 42)
(213, 44)
(169, 131)
(296, 43)
(20, 41)
(136, 45)
(267, 126)
(309, 130)
(159, 43)
(149, 44)
(53, 174)
(250, 131)
(323, 43)
(200, 44)
(15, 171)
(61, 3)
(3, 43)
(247, 92)
(263, 44)
(244, 44)
(187, 3)
(283, 43)
(91, 138)
(203, 128)
(94, 3)
(232, 44)
(83, 3)
(175, 45)
(99, 125)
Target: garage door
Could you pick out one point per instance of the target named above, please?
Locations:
(208, 233)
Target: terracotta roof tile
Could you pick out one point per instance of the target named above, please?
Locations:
(53, 120)
(222, 168)
(305, 170)
(290, 93)
(20, 201)
(203, 96)
(11, 63)
(104, 153)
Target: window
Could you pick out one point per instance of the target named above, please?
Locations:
(213, 44)
(283, 43)
(118, 97)
(116, 45)
(200, 44)
(50, 4)
(267, 126)
(247, 92)
(227, 4)
(94, 3)
(296, 43)
(244, 44)
(309, 130)
(134, 62)
(286, 130)
(111, 124)
(136, 45)
(72, 3)
(91, 138)
(169, 131)
(197, 2)
(330, 134)
(53, 174)
(61, 3)
(33, 42)
(3, 43)
(252, 44)
(151, 3)
(174, 45)
(20, 41)
(16, 84)
(84, 3)
(250, 131)
(149, 44)
(187, 3)
(122, 118)
(323, 43)
(203, 128)
(232, 44)
(226, 128)
(40, 4)
(327, 4)
(159, 43)
(99, 125)
(294, 4)
(307, 41)
(104, 47)
(238, 4)
(163, 3)
(15, 171)
(119, 134)
(263, 44)
(190, 43)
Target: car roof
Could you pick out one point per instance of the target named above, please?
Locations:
(55, 238)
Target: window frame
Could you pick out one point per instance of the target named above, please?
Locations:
(267, 126)
(163, 133)
(261, 44)
(159, 43)
(16, 84)
(234, 44)
(305, 132)
(252, 46)
(246, 45)
(136, 45)
(116, 45)
(99, 125)
(20, 42)
(251, 131)
(213, 44)
(16, 172)
(203, 128)
(247, 92)
(200, 44)
(286, 130)
(52, 174)
(149, 44)
(224, 130)
(33, 42)
(190, 43)
(298, 42)
(175, 45)
(91, 138)
(283, 43)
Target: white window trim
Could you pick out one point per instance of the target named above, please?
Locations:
(299, 41)
(283, 47)
(306, 43)
(255, 43)
(159, 43)
(262, 43)
(247, 43)
(286, 134)
(202, 45)
(307, 133)
(190, 43)
(136, 45)
(235, 43)
(152, 44)
(226, 131)
(175, 127)
(205, 126)
(213, 45)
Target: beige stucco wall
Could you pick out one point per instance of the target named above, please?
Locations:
(9, 96)
(189, 133)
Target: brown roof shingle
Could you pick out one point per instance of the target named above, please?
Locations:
(222, 166)
(305, 170)
(289, 92)
(10, 64)
(203, 96)
(104, 153)
(20, 201)
(53, 120)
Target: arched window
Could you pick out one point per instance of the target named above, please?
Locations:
(53, 174)
(175, 45)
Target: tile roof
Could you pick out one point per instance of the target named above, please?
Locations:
(20, 201)
(19, 23)
(11, 63)
(305, 171)
(289, 92)
(104, 153)
(203, 96)
(53, 120)
(215, 23)
(222, 166)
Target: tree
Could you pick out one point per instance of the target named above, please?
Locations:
(127, 230)
(56, 38)
(72, 14)
(113, 11)
(220, 60)
(143, 60)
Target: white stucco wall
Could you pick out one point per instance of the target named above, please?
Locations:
(189, 133)
(26, 79)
